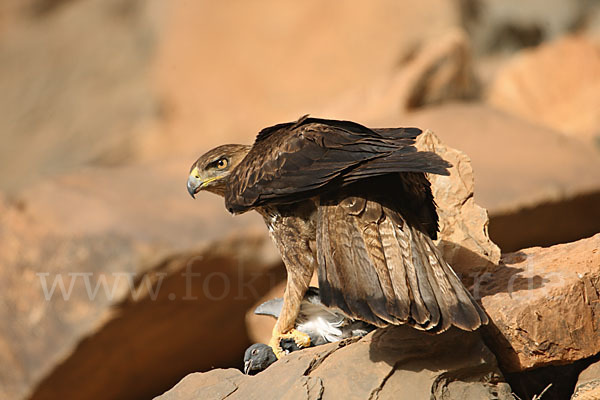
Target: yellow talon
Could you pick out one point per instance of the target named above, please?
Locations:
(274, 344)
(300, 338)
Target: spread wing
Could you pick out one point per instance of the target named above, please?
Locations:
(294, 161)
(376, 266)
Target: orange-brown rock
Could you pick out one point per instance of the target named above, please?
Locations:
(438, 71)
(544, 304)
(498, 26)
(75, 87)
(296, 58)
(463, 236)
(154, 78)
(556, 85)
(124, 243)
(516, 163)
(539, 186)
(395, 363)
(588, 384)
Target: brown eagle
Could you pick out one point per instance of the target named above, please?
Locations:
(355, 204)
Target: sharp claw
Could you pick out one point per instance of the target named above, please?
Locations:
(300, 338)
(274, 343)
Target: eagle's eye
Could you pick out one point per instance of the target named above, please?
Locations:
(222, 163)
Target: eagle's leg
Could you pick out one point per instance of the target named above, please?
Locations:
(293, 232)
(297, 284)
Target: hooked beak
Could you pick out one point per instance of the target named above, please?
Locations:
(194, 184)
(247, 366)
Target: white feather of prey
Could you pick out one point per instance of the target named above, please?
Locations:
(323, 322)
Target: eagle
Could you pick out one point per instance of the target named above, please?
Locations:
(354, 204)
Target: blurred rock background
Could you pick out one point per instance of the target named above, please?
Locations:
(106, 103)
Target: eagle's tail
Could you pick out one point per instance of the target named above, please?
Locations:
(376, 267)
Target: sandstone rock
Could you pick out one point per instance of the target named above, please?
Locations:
(307, 64)
(506, 25)
(544, 305)
(463, 236)
(541, 187)
(441, 71)
(120, 247)
(438, 71)
(591, 27)
(556, 85)
(214, 384)
(516, 164)
(75, 87)
(588, 384)
(395, 363)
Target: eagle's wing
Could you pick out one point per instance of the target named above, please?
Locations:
(376, 267)
(294, 161)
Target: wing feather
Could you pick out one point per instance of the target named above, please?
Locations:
(294, 161)
(371, 223)
(394, 259)
(378, 268)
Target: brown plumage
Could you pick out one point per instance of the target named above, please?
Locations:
(355, 204)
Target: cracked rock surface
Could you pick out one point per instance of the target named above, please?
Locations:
(588, 384)
(545, 305)
(392, 363)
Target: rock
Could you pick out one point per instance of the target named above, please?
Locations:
(438, 71)
(397, 362)
(588, 384)
(75, 87)
(507, 25)
(540, 187)
(214, 384)
(537, 164)
(544, 304)
(302, 70)
(441, 71)
(463, 236)
(554, 382)
(570, 104)
(591, 27)
(122, 248)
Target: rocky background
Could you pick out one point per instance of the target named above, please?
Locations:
(116, 285)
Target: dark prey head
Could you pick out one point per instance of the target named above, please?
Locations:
(211, 170)
(257, 358)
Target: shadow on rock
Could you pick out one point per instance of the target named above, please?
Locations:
(454, 364)
(190, 320)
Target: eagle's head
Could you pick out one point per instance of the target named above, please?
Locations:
(211, 170)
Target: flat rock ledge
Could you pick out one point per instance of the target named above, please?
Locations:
(396, 362)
